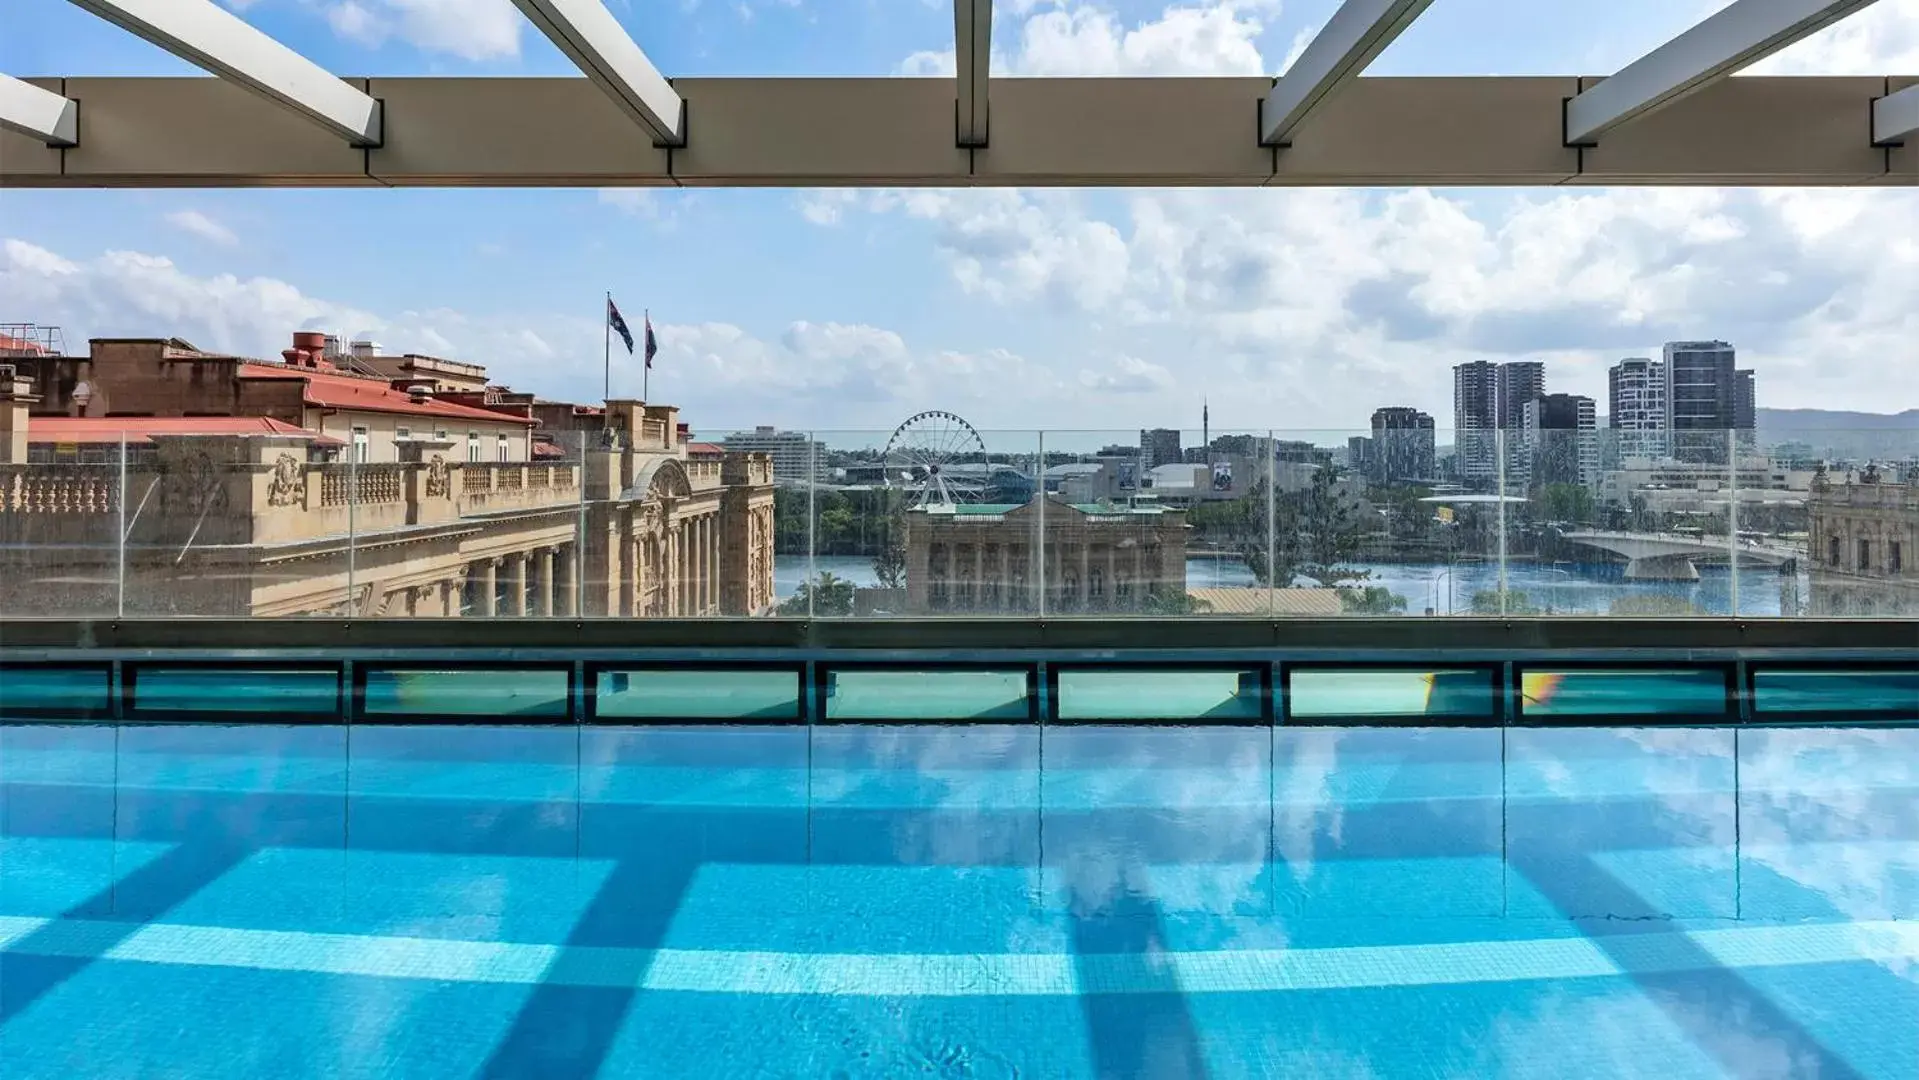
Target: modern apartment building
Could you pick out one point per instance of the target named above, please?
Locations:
(1159, 446)
(1636, 403)
(1701, 394)
(1560, 436)
(797, 457)
(1490, 398)
(1402, 446)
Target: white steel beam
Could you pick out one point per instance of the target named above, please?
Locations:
(1895, 117)
(41, 114)
(209, 36)
(972, 53)
(1742, 33)
(1357, 33)
(593, 39)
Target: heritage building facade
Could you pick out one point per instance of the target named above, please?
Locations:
(151, 478)
(980, 559)
(1863, 542)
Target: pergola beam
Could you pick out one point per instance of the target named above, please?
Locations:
(1356, 34)
(593, 39)
(1895, 117)
(211, 37)
(1742, 33)
(37, 113)
(972, 54)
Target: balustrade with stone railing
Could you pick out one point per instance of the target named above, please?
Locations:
(58, 489)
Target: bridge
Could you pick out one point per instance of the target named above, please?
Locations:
(1669, 556)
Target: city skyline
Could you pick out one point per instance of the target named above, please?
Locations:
(1020, 309)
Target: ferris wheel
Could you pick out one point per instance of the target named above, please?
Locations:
(922, 451)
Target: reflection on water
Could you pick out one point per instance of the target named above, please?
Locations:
(991, 900)
(1563, 588)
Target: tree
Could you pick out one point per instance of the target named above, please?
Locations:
(1173, 602)
(1371, 600)
(1567, 502)
(1315, 531)
(827, 595)
(889, 566)
(1486, 602)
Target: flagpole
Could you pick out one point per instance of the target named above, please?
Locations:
(646, 369)
(606, 348)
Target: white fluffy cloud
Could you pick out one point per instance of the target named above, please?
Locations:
(1329, 302)
(202, 226)
(820, 374)
(468, 29)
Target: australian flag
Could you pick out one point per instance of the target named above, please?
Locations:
(652, 346)
(619, 327)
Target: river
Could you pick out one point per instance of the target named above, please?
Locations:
(1563, 588)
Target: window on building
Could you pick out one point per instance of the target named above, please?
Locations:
(1832, 551)
(1895, 559)
(473, 446)
(500, 449)
(1865, 554)
(362, 443)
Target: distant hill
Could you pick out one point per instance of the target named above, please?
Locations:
(1839, 434)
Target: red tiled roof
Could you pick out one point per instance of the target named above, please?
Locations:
(331, 390)
(547, 450)
(705, 448)
(140, 429)
(9, 343)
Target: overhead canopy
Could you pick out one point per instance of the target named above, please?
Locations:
(273, 117)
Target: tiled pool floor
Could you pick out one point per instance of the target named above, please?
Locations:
(983, 901)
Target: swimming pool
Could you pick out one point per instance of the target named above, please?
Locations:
(990, 899)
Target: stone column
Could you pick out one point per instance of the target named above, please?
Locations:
(979, 575)
(1085, 568)
(488, 585)
(449, 599)
(1007, 600)
(565, 580)
(543, 583)
(516, 585)
(1140, 585)
(669, 570)
(1112, 578)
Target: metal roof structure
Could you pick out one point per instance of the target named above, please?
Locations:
(269, 116)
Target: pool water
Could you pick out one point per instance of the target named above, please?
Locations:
(987, 900)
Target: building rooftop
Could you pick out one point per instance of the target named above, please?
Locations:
(141, 429)
(337, 390)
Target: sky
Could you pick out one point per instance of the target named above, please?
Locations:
(1293, 309)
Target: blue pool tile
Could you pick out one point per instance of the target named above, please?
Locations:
(1654, 838)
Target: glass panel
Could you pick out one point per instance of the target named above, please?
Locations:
(1863, 545)
(1198, 694)
(697, 693)
(1827, 822)
(878, 695)
(252, 820)
(463, 832)
(1624, 824)
(943, 817)
(478, 692)
(1373, 822)
(698, 828)
(60, 526)
(27, 691)
(841, 521)
(1889, 693)
(1331, 694)
(1144, 823)
(1328, 555)
(1696, 693)
(1136, 523)
(235, 690)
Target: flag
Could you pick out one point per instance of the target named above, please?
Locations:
(652, 345)
(619, 327)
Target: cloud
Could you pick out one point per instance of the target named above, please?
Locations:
(1128, 375)
(809, 374)
(202, 226)
(1315, 300)
(469, 29)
